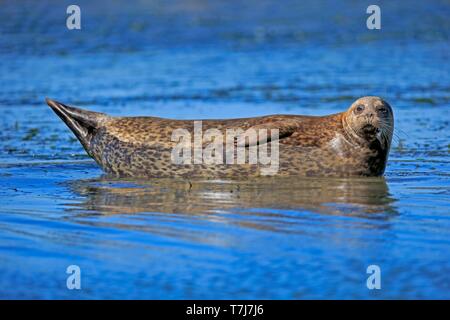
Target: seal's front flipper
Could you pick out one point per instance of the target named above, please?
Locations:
(83, 123)
(264, 133)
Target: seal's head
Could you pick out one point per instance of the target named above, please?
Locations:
(370, 119)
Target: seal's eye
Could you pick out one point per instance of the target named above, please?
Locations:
(383, 110)
(359, 108)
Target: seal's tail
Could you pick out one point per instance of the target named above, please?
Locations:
(83, 123)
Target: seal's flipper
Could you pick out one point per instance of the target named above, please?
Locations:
(83, 123)
(285, 129)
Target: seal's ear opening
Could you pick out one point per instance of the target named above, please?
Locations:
(83, 123)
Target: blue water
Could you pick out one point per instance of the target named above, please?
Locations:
(272, 238)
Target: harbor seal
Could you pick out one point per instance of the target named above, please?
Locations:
(351, 143)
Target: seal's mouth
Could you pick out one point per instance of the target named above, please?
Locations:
(370, 130)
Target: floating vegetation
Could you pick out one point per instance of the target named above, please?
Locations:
(31, 134)
(424, 101)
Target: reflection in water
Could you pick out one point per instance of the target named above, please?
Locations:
(344, 196)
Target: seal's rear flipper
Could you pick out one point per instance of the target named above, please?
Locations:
(83, 123)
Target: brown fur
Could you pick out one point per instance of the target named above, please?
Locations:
(343, 144)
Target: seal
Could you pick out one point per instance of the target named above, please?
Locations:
(351, 143)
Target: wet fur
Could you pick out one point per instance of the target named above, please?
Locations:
(142, 146)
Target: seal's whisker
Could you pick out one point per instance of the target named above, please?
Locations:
(395, 139)
(390, 129)
(398, 132)
(403, 133)
(387, 130)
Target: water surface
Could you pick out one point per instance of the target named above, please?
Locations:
(271, 238)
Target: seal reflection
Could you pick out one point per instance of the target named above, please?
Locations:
(364, 197)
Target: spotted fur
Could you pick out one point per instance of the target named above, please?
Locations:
(351, 143)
